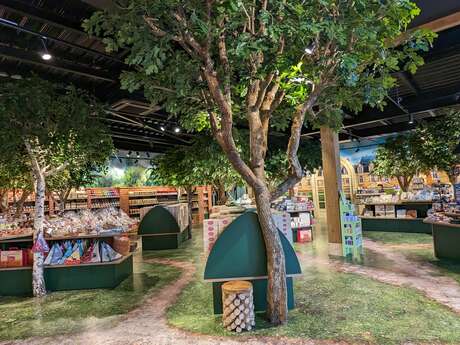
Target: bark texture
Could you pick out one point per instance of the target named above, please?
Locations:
(190, 191)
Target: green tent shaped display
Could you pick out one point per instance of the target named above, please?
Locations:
(239, 254)
(160, 230)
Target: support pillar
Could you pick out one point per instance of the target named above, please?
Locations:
(332, 185)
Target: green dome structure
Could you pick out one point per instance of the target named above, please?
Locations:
(160, 230)
(239, 254)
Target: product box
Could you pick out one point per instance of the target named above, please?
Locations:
(212, 228)
(379, 210)
(368, 213)
(304, 236)
(12, 258)
(411, 213)
(390, 211)
(282, 221)
(401, 213)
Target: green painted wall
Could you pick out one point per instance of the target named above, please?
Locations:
(446, 242)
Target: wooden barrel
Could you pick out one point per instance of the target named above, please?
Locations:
(238, 306)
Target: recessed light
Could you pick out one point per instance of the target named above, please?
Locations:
(177, 129)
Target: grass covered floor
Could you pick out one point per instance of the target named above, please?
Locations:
(421, 254)
(399, 237)
(71, 311)
(336, 306)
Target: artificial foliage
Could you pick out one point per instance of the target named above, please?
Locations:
(264, 64)
(398, 157)
(201, 163)
(438, 140)
(55, 127)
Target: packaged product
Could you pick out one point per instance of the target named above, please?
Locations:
(108, 254)
(54, 255)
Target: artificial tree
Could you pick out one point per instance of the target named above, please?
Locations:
(438, 140)
(269, 63)
(55, 127)
(14, 175)
(398, 157)
(82, 173)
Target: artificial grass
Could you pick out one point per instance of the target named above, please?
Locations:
(398, 237)
(421, 255)
(335, 306)
(72, 311)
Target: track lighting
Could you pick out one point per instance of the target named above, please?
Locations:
(177, 129)
(129, 153)
(137, 154)
(45, 54)
(162, 128)
(411, 119)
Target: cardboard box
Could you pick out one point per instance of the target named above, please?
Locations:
(12, 258)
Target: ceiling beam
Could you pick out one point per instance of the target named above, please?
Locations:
(42, 15)
(15, 26)
(443, 23)
(55, 63)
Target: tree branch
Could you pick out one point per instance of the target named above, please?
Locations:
(56, 170)
(295, 168)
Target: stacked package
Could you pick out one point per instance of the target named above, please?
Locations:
(80, 252)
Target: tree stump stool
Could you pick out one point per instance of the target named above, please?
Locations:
(238, 306)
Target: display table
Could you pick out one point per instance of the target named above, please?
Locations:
(165, 227)
(446, 239)
(391, 223)
(239, 254)
(17, 281)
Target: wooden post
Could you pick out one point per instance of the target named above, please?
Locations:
(332, 185)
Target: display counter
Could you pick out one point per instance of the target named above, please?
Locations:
(388, 216)
(446, 239)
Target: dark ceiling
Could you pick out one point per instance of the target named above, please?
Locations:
(135, 125)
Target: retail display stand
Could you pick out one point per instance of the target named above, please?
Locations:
(446, 239)
(402, 216)
(165, 227)
(352, 237)
(239, 254)
(17, 281)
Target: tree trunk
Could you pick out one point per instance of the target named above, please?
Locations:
(222, 197)
(402, 181)
(19, 205)
(190, 190)
(38, 280)
(276, 267)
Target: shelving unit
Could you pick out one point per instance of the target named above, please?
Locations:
(129, 199)
(391, 223)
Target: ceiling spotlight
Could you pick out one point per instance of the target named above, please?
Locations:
(357, 150)
(148, 155)
(45, 54)
(121, 160)
(411, 119)
(177, 129)
(129, 153)
(162, 128)
(137, 154)
(136, 161)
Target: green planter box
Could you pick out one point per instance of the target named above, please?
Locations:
(446, 239)
(18, 281)
(395, 225)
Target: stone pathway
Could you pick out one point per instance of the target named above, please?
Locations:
(147, 325)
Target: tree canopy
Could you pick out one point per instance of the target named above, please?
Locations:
(438, 140)
(398, 157)
(275, 64)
